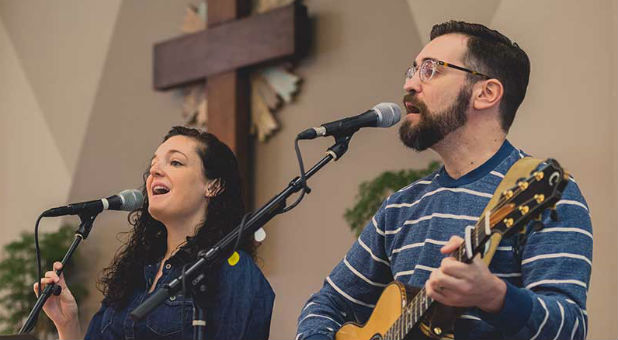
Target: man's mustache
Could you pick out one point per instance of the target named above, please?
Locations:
(410, 98)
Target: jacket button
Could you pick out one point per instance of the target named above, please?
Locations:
(172, 298)
(168, 266)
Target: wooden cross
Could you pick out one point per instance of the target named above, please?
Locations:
(221, 55)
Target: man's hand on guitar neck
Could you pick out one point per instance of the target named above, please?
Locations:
(460, 284)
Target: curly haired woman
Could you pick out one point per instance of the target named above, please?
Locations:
(193, 198)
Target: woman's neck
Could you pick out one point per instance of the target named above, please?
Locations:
(178, 231)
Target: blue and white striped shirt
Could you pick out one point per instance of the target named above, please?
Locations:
(547, 278)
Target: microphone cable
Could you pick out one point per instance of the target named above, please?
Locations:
(38, 252)
(303, 179)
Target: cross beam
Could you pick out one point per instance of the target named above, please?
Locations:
(221, 55)
(272, 36)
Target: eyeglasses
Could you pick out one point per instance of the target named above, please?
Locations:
(428, 68)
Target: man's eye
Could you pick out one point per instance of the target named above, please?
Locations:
(427, 72)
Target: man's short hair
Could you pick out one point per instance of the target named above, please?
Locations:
(493, 54)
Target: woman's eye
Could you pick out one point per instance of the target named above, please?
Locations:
(175, 163)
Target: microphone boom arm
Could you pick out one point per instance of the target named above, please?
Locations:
(256, 220)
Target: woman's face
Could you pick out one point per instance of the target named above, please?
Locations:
(176, 185)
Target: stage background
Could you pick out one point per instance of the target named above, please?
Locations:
(79, 120)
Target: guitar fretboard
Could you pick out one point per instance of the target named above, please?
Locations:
(420, 304)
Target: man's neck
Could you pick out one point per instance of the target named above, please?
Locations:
(466, 148)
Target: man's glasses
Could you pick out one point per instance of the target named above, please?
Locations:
(428, 68)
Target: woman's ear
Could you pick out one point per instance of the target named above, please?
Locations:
(488, 94)
(214, 188)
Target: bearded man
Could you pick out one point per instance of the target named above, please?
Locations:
(462, 92)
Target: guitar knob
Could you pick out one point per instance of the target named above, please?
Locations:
(437, 330)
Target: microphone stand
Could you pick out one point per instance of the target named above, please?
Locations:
(87, 219)
(195, 274)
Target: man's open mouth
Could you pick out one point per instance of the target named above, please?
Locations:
(410, 108)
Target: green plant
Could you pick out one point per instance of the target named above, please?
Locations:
(18, 272)
(372, 193)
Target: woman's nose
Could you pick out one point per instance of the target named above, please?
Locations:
(155, 170)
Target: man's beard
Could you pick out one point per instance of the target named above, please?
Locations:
(432, 128)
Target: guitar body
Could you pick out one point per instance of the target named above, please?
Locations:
(390, 307)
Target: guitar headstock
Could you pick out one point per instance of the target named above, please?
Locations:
(529, 198)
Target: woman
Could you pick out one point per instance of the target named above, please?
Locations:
(193, 199)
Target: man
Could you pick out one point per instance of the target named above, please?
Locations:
(462, 92)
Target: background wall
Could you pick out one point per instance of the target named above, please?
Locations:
(79, 119)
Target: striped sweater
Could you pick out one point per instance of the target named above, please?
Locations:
(547, 276)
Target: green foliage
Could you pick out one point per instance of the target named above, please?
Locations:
(372, 193)
(18, 273)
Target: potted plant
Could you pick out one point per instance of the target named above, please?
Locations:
(372, 193)
(18, 273)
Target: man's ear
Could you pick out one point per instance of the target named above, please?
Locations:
(214, 188)
(487, 94)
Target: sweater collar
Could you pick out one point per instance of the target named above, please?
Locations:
(447, 181)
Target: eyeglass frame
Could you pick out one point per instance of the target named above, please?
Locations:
(412, 69)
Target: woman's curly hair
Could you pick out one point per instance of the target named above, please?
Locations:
(147, 241)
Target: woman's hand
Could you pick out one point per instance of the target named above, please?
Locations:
(61, 309)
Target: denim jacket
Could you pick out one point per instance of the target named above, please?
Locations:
(241, 308)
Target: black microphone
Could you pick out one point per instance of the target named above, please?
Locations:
(125, 200)
(381, 115)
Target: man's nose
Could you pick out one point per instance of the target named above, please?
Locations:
(412, 84)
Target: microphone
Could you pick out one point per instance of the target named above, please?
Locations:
(381, 115)
(125, 200)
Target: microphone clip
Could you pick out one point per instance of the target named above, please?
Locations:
(87, 220)
(340, 147)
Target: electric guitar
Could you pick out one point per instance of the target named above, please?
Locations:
(406, 312)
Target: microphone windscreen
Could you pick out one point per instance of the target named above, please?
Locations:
(131, 199)
(389, 114)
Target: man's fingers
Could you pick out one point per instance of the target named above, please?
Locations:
(447, 281)
(451, 245)
(57, 265)
(454, 268)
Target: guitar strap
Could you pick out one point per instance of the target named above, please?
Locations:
(521, 169)
(439, 323)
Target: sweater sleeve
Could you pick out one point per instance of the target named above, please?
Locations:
(556, 266)
(350, 291)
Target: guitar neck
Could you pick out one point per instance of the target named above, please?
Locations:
(474, 242)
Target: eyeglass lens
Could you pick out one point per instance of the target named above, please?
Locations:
(426, 70)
